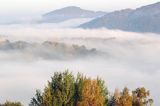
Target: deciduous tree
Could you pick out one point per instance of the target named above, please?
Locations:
(140, 97)
(91, 94)
(125, 98)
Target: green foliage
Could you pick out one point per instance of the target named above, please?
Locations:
(60, 91)
(79, 86)
(114, 99)
(111, 101)
(103, 90)
(66, 90)
(9, 103)
(37, 100)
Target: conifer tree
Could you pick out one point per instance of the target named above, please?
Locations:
(60, 91)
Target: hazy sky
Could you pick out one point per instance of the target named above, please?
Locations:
(10, 7)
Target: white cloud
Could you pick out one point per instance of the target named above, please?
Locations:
(131, 59)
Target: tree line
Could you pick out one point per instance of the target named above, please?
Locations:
(66, 90)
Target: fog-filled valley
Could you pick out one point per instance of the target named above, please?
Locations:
(30, 54)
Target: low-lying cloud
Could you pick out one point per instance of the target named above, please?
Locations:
(46, 50)
(125, 59)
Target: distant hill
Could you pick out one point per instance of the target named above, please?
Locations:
(46, 50)
(143, 19)
(68, 13)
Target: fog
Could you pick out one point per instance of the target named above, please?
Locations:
(122, 59)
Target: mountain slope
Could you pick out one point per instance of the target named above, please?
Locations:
(68, 13)
(143, 19)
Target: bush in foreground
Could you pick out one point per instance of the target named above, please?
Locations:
(9, 103)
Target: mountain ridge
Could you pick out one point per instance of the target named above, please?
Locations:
(70, 12)
(143, 19)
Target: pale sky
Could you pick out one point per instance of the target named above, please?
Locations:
(10, 7)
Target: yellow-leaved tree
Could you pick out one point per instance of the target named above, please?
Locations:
(91, 94)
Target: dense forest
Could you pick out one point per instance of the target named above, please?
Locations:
(65, 89)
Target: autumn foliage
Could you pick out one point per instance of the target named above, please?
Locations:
(64, 89)
(91, 94)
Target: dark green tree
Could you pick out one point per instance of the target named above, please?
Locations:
(104, 90)
(37, 100)
(60, 91)
(114, 100)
